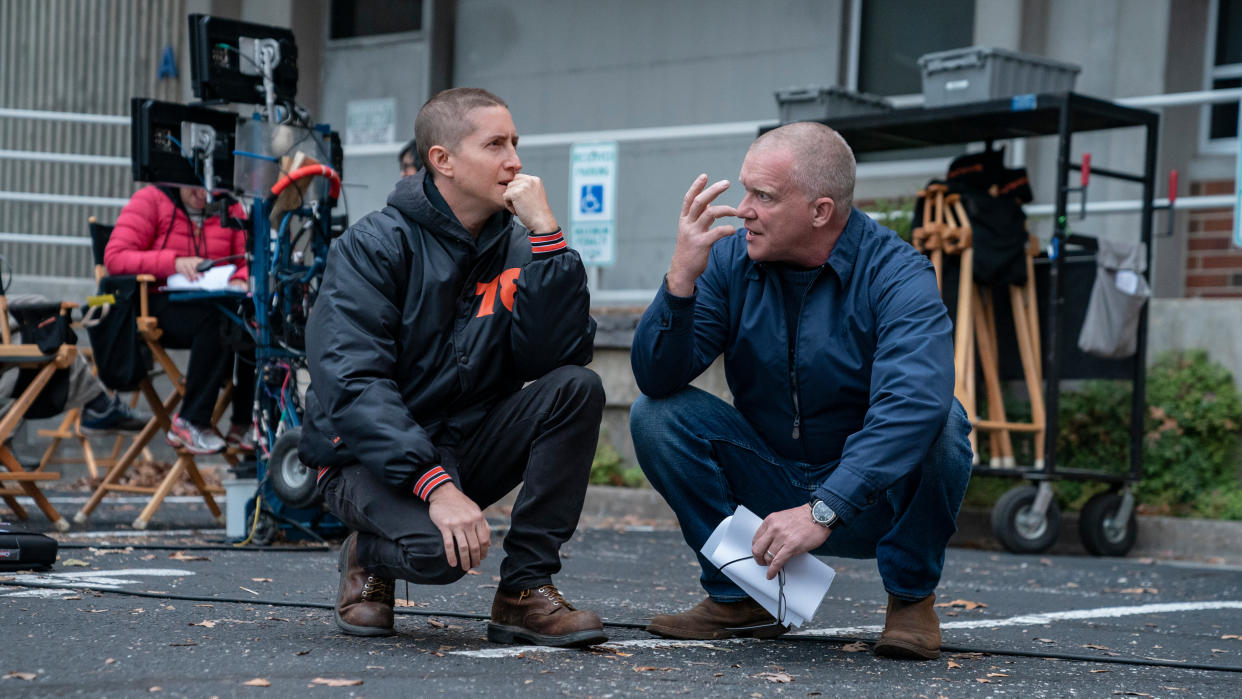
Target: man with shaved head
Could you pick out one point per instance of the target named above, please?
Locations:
(843, 435)
(447, 354)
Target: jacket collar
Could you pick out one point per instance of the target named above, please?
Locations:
(845, 252)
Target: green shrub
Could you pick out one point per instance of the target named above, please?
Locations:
(1191, 443)
(897, 215)
(608, 468)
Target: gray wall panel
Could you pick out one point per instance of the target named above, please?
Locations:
(572, 66)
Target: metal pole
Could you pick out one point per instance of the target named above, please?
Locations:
(1138, 396)
(1237, 185)
(1052, 351)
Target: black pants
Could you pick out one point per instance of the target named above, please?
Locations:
(543, 437)
(196, 327)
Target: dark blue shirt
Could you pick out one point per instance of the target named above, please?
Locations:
(871, 377)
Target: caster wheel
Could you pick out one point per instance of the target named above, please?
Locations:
(1018, 529)
(1101, 533)
(293, 482)
(265, 530)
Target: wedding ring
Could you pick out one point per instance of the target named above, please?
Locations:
(768, 555)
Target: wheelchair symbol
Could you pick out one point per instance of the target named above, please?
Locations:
(591, 200)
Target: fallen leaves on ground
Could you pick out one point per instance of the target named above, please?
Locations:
(335, 682)
(257, 682)
(183, 556)
(963, 603)
(1093, 646)
(260, 579)
(997, 674)
(651, 668)
(953, 665)
(1139, 591)
(1045, 640)
(1228, 636)
(150, 474)
(408, 603)
(435, 623)
(777, 677)
(105, 552)
(74, 563)
(206, 624)
(855, 647)
(15, 675)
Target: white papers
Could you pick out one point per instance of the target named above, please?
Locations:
(806, 578)
(214, 279)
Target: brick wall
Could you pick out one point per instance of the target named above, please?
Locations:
(1213, 263)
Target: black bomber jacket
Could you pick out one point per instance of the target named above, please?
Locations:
(419, 328)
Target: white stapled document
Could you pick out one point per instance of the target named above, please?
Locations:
(806, 578)
(214, 279)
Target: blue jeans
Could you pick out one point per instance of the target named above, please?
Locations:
(702, 455)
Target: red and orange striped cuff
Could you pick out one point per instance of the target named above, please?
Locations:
(548, 243)
(431, 480)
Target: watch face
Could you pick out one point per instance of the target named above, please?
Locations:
(822, 513)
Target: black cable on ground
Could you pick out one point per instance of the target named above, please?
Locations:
(406, 611)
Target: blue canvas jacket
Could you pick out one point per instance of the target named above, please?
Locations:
(871, 380)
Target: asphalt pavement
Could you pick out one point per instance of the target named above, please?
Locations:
(179, 612)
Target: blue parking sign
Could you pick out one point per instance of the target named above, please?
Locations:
(591, 200)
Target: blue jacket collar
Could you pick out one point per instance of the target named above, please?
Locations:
(845, 252)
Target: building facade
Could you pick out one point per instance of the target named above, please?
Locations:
(571, 70)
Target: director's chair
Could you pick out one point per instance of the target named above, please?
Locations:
(70, 427)
(161, 416)
(33, 360)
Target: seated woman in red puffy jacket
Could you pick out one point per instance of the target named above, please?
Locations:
(164, 230)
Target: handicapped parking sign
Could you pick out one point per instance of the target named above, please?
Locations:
(591, 199)
(592, 189)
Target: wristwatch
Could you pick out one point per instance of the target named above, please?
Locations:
(824, 515)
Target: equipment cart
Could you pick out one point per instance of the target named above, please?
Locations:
(1027, 519)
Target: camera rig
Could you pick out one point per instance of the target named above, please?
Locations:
(285, 171)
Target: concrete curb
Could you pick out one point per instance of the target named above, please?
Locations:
(1174, 538)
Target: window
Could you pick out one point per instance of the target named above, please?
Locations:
(1224, 71)
(355, 18)
(890, 36)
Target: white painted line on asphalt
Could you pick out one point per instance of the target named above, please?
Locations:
(513, 651)
(1022, 620)
(1049, 617)
(104, 579)
(118, 500)
(144, 532)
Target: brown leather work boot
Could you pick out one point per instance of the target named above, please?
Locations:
(542, 616)
(364, 602)
(911, 630)
(712, 620)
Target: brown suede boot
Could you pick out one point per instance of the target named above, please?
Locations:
(364, 602)
(711, 620)
(542, 616)
(911, 630)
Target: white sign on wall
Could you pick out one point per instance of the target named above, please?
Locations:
(592, 202)
(370, 121)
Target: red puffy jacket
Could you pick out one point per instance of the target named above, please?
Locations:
(152, 232)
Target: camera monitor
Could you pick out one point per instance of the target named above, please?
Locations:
(173, 144)
(227, 59)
